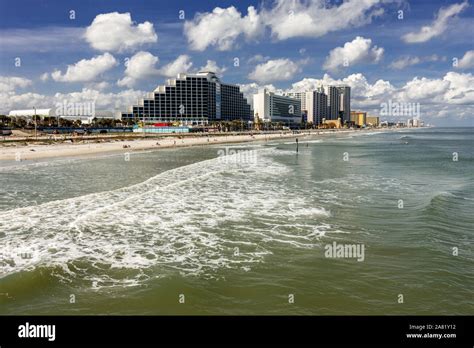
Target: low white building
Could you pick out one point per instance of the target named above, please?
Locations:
(414, 122)
(270, 107)
(86, 118)
(29, 113)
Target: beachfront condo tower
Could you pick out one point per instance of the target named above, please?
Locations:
(300, 96)
(270, 107)
(317, 105)
(192, 99)
(339, 102)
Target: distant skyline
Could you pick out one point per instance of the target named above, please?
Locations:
(52, 51)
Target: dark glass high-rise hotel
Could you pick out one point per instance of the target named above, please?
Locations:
(192, 99)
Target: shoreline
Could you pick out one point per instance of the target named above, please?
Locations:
(113, 145)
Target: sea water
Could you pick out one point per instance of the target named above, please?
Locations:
(244, 228)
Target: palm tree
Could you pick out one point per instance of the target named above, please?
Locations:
(235, 125)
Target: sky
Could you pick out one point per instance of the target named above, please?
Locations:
(115, 52)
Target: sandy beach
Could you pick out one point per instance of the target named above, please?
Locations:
(21, 152)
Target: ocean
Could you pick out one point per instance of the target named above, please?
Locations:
(244, 229)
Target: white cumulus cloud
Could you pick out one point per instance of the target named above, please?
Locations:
(315, 18)
(285, 19)
(11, 83)
(107, 101)
(117, 33)
(257, 59)
(444, 99)
(98, 85)
(249, 89)
(143, 65)
(211, 65)
(221, 28)
(438, 26)
(275, 70)
(359, 50)
(139, 66)
(406, 61)
(421, 89)
(467, 61)
(181, 65)
(86, 69)
(461, 89)
(44, 77)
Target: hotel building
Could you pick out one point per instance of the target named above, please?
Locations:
(415, 122)
(329, 102)
(301, 96)
(339, 102)
(270, 107)
(359, 118)
(373, 121)
(317, 106)
(192, 99)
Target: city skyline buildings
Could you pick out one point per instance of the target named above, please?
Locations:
(200, 98)
(51, 58)
(325, 102)
(192, 99)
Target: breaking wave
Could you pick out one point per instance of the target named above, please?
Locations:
(193, 220)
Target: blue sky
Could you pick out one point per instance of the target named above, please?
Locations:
(274, 52)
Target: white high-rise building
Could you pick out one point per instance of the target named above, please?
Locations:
(339, 102)
(270, 107)
(301, 96)
(328, 102)
(317, 106)
(414, 122)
